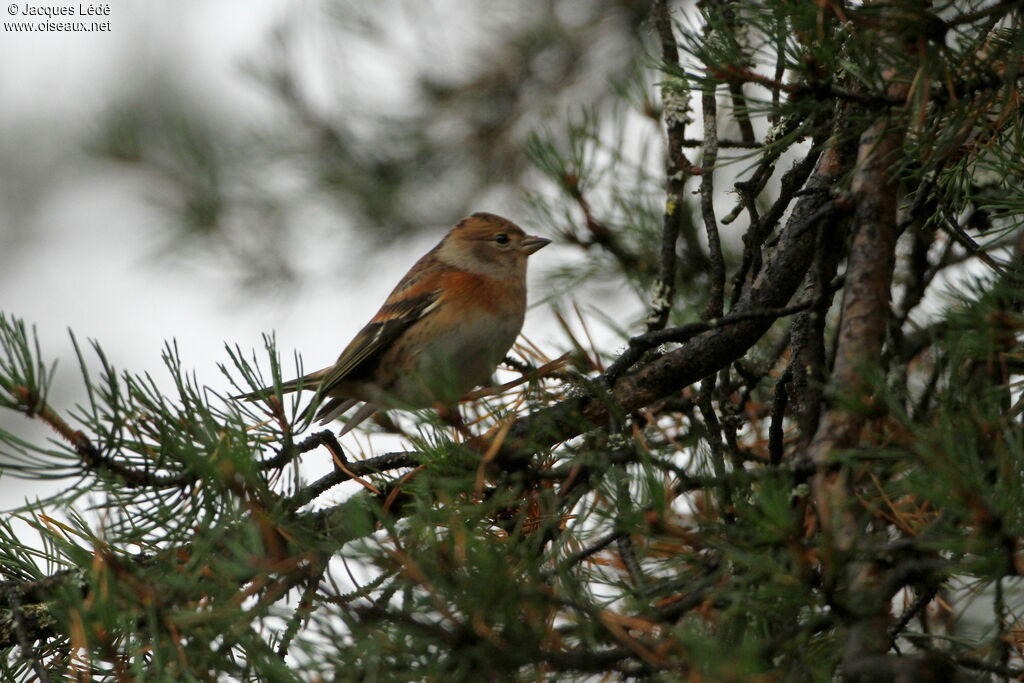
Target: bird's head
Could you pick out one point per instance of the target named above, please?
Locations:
(490, 245)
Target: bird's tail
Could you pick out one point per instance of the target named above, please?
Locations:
(327, 412)
(332, 409)
(336, 406)
(308, 382)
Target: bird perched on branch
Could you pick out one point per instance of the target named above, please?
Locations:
(441, 332)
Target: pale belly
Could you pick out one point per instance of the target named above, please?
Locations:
(458, 361)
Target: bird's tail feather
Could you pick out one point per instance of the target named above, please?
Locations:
(328, 411)
(333, 408)
(336, 406)
(308, 382)
(366, 411)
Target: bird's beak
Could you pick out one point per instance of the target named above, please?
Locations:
(533, 243)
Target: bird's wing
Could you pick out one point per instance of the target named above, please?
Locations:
(378, 335)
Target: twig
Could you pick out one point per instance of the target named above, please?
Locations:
(714, 439)
(749, 189)
(709, 114)
(999, 639)
(999, 9)
(304, 608)
(549, 369)
(760, 228)
(918, 604)
(289, 451)
(818, 90)
(583, 554)
(675, 176)
(600, 233)
(381, 463)
(950, 227)
(91, 456)
(739, 107)
(683, 333)
(792, 181)
(523, 368)
(922, 642)
(778, 416)
(739, 100)
(724, 143)
(780, 65)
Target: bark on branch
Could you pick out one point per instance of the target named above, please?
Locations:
(706, 353)
(865, 317)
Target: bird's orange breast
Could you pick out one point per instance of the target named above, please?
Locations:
(475, 291)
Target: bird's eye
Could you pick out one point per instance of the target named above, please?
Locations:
(501, 238)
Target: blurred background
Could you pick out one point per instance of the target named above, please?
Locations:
(210, 171)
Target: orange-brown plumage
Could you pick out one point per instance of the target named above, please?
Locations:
(441, 331)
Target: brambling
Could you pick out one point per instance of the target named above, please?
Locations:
(442, 331)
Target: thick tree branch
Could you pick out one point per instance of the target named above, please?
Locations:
(865, 308)
(865, 316)
(705, 354)
(29, 622)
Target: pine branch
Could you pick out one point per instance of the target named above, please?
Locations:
(32, 405)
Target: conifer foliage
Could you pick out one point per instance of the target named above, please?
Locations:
(803, 461)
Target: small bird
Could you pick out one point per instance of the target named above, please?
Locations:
(442, 331)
